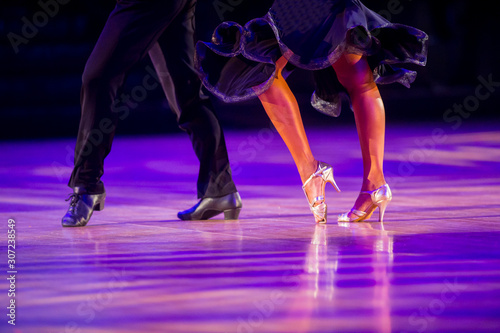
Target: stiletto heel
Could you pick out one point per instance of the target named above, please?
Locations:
(325, 171)
(329, 177)
(381, 209)
(380, 198)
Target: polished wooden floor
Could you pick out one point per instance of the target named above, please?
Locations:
(432, 266)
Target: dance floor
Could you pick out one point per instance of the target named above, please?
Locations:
(433, 265)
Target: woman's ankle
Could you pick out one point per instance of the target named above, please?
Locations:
(307, 169)
(373, 183)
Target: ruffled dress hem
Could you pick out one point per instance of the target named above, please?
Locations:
(240, 61)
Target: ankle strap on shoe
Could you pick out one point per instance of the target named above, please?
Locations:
(321, 167)
(383, 192)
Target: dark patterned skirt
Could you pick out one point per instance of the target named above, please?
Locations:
(239, 62)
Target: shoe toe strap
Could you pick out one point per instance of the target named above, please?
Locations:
(358, 213)
(318, 198)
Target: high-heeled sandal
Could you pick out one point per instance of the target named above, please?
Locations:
(380, 198)
(325, 171)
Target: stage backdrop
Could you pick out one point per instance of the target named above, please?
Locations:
(44, 45)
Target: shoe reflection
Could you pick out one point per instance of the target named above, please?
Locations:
(347, 271)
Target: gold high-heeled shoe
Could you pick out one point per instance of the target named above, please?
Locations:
(380, 198)
(325, 171)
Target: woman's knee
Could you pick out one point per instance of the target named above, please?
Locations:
(354, 73)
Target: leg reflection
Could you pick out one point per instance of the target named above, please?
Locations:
(345, 278)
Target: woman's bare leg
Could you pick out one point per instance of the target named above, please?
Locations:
(356, 76)
(282, 108)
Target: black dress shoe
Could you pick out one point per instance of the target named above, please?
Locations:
(81, 208)
(206, 208)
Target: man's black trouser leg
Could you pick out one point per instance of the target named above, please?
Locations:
(195, 113)
(130, 32)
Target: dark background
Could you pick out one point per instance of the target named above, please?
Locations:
(40, 84)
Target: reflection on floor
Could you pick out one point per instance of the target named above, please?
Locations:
(432, 266)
